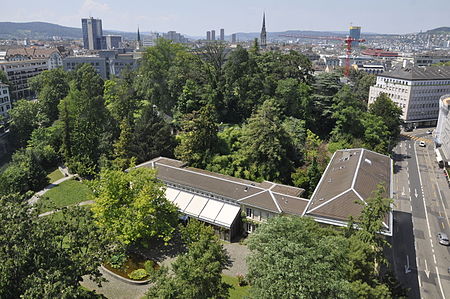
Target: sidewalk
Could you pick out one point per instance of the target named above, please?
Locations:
(37, 195)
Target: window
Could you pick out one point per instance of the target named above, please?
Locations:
(250, 227)
(249, 212)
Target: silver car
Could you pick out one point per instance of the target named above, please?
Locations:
(443, 239)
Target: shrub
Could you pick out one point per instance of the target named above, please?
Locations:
(149, 266)
(116, 261)
(138, 274)
(241, 280)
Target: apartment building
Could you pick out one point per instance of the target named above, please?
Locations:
(416, 90)
(442, 132)
(5, 100)
(18, 73)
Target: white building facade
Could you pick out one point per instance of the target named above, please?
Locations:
(416, 90)
(442, 132)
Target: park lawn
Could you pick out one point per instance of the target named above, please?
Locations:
(65, 194)
(55, 175)
(236, 292)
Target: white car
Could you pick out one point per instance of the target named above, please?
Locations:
(422, 144)
(429, 131)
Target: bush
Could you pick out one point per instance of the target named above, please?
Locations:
(138, 274)
(241, 280)
(116, 261)
(149, 266)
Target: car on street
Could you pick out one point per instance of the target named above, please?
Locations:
(443, 239)
(408, 129)
(429, 131)
(422, 144)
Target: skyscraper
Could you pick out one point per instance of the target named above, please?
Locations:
(208, 35)
(213, 34)
(222, 34)
(355, 32)
(233, 38)
(263, 38)
(92, 33)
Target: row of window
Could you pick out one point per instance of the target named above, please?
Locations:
(4, 100)
(5, 108)
(257, 214)
(427, 105)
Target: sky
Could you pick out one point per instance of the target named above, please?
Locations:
(195, 17)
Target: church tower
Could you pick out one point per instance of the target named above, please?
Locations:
(263, 38)
(138, 40)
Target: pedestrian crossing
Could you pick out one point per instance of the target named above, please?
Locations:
(426, 140)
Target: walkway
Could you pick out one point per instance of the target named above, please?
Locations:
(37, 195)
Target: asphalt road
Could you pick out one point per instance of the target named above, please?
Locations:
(421, 211)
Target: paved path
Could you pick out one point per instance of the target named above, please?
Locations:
(39, 194)
(83, 203)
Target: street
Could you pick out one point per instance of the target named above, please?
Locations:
(421, 211)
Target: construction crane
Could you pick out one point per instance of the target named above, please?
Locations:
(347, 40)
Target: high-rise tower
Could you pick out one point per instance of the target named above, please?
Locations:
(92, 33)
(263, 38)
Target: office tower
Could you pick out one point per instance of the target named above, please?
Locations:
(233, 38)
(355, 32)
(222, 34)
(263, 39)
(113, 41)
(208, 35)
(213, 35)
(92, 33)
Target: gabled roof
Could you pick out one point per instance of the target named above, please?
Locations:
(350, 179)
(268, 196)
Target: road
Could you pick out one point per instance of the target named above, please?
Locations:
(421, 211)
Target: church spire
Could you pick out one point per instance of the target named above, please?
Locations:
(138, 39)
(263, 36)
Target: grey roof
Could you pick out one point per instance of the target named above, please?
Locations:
(268, 196)
(419, 73)
(350, 179)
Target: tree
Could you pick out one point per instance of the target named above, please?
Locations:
(46, 257)
(198, 140)
(152, 82)
(376, 133)
(293, 97)
(132, 207)
(152, 137)
(362, 82)
(24, 173)
(389, 112)
(85, 122)
(264, 145)
(25, 117)
(292, 257)
(197, 273)
(51, 86)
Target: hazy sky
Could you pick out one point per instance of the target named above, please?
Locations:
(195, 17)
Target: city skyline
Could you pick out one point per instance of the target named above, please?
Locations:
(195, 17)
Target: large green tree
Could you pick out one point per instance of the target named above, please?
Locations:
(46, 257)
(198, 139)
(132, 206)
(25, 117)
(292, 257)
(197, 273)
(385, 108)
(51, 87)
(85, 122)
(265, 145)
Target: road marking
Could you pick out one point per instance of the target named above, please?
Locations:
(427, 272)
(428, 223)
(442, 224)
(415, 193)
(403, 192)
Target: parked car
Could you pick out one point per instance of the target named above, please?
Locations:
(422, 144)
(443, 239)
(408, 129)
(429, 131)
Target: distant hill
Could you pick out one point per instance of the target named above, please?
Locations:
(439, 30)
(44, 31)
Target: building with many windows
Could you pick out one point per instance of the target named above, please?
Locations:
(92, 34)
(5, 100)
(18, 73)
(442, 132)
(416, 90)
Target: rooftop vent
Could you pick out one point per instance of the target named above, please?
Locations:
(329, 180)
(368, 161)
(320, 199)
(246, 189)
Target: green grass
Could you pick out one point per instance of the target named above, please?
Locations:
(236, 292)
(55, 175)
(65, 194)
